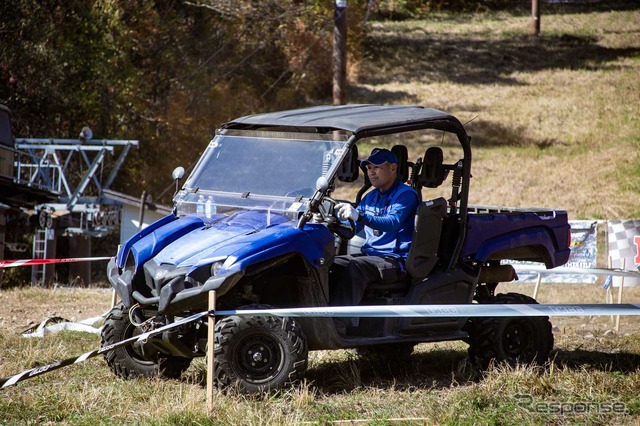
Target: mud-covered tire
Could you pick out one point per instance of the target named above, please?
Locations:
(389, 352)
(127, 362)
(258, 353)
(510, 340)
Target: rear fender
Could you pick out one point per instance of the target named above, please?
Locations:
(532, 244)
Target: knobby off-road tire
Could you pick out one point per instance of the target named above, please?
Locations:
(510, 340)
(258, 353)
(127, 361)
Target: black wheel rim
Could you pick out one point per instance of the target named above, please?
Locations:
(519, 341)
(259, 358)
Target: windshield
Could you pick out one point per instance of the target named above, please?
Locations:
(270, 170)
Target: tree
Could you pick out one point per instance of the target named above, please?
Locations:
(164, 72)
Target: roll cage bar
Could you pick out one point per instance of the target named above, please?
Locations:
(364, 121)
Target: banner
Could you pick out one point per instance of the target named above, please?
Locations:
(584, 253)
(624, 243)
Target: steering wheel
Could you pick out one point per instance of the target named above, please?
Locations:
(335, 225)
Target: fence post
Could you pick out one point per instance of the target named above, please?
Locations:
(537, 287)
(210, 351)
(624, 264)
(114, 298)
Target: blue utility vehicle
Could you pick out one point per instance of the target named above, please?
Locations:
(255, 222)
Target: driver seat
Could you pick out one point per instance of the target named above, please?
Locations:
(423, 253)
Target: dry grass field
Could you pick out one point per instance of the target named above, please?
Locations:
(591, 364)
(554, 119)
(554, 122)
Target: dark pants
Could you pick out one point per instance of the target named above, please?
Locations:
(351, 275)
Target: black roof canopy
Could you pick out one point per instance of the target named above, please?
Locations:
(361, 120)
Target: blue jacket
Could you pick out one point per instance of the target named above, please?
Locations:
(388, 219)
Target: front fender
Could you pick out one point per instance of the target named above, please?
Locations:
(314, 242)
(150, 241)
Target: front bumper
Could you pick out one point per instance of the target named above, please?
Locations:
(174, 297)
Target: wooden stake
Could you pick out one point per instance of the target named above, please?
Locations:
(624, 264)
(608, 296)
(114, 298)
(210, 349)
(535, 289)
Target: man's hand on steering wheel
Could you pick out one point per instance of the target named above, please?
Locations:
(347, 211)
(334, 221)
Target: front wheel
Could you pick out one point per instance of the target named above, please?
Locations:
(129, 361)
(512, 340)
(258, 353)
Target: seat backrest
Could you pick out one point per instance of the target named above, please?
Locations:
(433, 172)
(401, 153)
(423, 253)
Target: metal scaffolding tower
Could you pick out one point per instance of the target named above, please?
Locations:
(71, 171)
(48, 162)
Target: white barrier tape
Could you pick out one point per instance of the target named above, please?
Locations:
(578, 271)
(31, 262)
(34, 372)
(470, 310)
(60, 324)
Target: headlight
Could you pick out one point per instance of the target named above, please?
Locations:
(215, 267)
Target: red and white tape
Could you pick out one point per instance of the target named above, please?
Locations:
(31, 262)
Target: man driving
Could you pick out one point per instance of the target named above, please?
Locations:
(387, 215)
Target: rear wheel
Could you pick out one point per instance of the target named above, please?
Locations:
(129, 361)
(258, 353)
(512, 340)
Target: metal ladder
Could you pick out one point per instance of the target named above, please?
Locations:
(38, 272)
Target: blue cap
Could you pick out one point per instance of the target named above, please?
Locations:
(380, 156)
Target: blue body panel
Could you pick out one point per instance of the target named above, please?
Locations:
(493, 233)
(124, 251)
(145, 245)
(244, 238)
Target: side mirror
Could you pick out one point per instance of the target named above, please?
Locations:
(350, 167)
(178, 173)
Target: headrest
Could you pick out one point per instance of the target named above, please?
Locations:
(433, 172)
(400, 151)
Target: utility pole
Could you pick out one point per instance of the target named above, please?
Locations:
(340, 53)
(535, 15)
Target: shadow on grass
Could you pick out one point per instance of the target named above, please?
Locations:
(442, 369)
(622, 362)
(564, 7)
(458, 11)
(485, 134)
(481, 59)
(430, 370)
